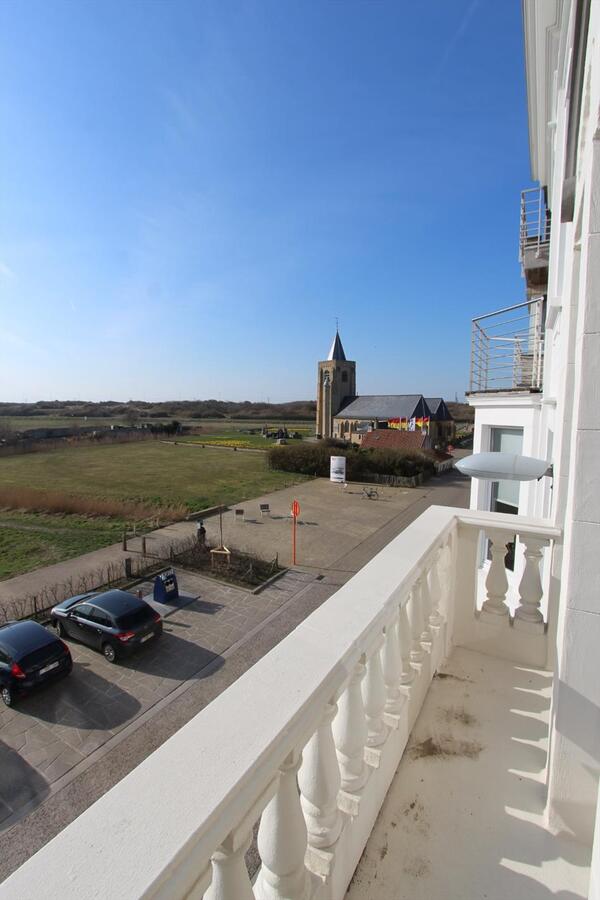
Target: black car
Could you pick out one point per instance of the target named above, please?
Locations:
(117, 623)
(30, 656)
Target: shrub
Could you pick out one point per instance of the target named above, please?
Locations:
(313, 459)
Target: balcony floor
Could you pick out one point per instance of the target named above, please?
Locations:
(463, 817)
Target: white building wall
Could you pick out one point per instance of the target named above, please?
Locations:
(505, 411)
(575, 764)
(563, 423)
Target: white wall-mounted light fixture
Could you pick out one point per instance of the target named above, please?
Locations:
(504, 467)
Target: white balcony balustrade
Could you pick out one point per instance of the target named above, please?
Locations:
(309, 739)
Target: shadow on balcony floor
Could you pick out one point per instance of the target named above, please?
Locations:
(463, 816)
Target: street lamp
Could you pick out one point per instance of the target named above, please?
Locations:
(504, 467)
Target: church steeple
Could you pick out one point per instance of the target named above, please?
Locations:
(336, 386)
(337, 351)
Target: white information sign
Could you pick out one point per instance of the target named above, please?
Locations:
(337, 469)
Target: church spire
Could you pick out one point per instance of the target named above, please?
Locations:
(337, 351)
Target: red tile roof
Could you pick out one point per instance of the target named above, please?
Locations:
(395, 439)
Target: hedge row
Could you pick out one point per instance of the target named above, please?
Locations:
(313, 459)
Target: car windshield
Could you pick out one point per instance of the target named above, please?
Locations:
(134, 619)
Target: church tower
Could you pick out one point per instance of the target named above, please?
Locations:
(336, 386)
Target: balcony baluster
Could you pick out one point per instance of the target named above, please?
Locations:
(496, 582)
(350, 733)
(282, 841)
(373, 689)
(527, 615)
(319, 780)
(415, 615)
(230, 879)
(404, 639)
(427, 609)
(436, 618)
(392, 667)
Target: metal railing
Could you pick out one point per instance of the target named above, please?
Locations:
(507, 348)
(534, 232)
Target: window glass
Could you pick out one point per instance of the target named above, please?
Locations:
(505, 494)
(100, 617)
(3, 656)
(83, 611)
(135, 618)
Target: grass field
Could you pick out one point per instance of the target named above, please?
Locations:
(157, 474)
(25, 423)
(231, 439)
(31, 540)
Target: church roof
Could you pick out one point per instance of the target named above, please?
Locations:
(385, 406)
(337, 351)
(439, 410)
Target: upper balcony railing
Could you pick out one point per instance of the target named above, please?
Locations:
(308, 740)
(534, 232)
(507, 348)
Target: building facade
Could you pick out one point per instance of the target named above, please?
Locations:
(535, 379)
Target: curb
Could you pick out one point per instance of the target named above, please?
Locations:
(269, 581)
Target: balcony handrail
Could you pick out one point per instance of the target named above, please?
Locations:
(535, 222)
(476, 518)
(498, 312)
(153, 834)
(507, 350)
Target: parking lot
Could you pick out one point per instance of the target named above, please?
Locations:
(50, 733)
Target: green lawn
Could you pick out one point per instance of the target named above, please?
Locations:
(31, 540)
(162, 475)
(24, 423)
(230, 438)
(156, 473)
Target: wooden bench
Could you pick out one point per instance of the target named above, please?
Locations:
(239, 515)
(265, 509)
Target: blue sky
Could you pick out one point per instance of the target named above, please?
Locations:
(191, 192)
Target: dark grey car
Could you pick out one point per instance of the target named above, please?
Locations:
(30, 657)
(116, 622)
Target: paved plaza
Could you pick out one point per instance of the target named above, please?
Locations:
(334, 520)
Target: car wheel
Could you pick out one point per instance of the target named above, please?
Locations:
(7, 697)
(109, 653)
(59, 628)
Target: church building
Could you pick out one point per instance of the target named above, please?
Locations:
(341, 413)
